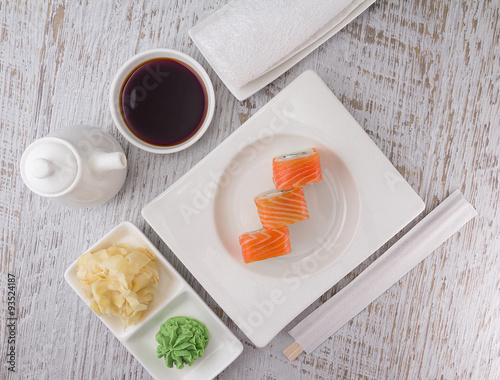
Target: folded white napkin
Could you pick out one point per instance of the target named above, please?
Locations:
(253, 36)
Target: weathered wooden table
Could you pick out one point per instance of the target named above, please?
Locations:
(421, 77)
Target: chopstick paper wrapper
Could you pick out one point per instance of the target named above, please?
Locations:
(248, 38)
(406, 253)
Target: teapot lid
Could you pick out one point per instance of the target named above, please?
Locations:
(49, 166)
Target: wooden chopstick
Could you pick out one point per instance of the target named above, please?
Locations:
(293, 351)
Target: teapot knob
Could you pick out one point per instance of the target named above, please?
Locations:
(41, 168)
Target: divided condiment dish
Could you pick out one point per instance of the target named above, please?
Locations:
(173, 297)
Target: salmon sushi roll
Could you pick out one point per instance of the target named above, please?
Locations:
(280, 208)
(296, 169)
(264, 244)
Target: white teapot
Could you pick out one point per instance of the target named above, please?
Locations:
(79, 166)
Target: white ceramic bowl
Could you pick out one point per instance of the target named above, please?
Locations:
(122, 75)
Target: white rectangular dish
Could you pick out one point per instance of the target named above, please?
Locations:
(174, 298)
(262, 81)
(360, 204)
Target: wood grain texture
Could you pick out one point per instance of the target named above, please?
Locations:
(421, 77)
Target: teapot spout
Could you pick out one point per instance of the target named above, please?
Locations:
(104, 161)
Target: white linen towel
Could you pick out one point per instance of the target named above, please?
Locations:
(253, 36)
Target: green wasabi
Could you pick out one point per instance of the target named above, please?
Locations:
(181, 340)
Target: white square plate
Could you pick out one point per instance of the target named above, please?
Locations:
(262, 81)
(361, 203)
(174, 298)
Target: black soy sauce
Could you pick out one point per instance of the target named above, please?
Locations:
(164, 102)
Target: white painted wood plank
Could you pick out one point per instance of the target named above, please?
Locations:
(422, 78)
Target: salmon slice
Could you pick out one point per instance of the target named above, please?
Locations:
(264, 244)
(296, 169)
(280, 208)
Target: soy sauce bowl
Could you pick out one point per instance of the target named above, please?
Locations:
(123, 75)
